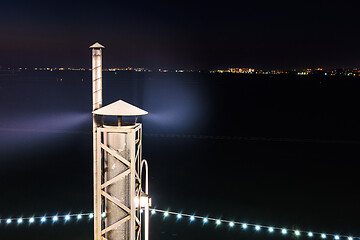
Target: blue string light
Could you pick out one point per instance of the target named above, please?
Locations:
(43, 219)
(256, 227)
(166, 213)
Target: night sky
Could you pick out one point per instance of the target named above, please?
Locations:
(182, 34)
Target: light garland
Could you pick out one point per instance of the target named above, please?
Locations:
(179, 216)
(256, 227)
(43, 219)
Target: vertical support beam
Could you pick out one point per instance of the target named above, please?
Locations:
(97, 204)
(96, 104)
(131, 139)
(105, 174)
(146, 210)
(97, 190)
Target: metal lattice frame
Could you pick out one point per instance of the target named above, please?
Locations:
(133, 165)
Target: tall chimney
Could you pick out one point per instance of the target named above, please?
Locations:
(97, 103)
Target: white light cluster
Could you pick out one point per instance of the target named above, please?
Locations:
(44, 219)
(255, 227)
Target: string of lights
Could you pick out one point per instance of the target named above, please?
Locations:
(251, 226)
(179, 216)
(45, 218)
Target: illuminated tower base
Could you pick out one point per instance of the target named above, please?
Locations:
(119, 159)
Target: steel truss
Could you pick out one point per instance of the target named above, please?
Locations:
(130, 218)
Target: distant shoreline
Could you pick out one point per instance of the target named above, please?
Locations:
(243, 71)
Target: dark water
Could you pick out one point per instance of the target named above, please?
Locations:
(272, 150)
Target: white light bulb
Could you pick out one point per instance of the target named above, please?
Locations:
(20, 220)
(244, 226)
(153, 211)
(205, 220)
(8, 220)
(310, 234)
(218, 222)
(323, 236)
(297, 233)
(55, 218)
(271, 229)
(43, 219)
(231, 224)
(91, 215)
(31, 220)
(103, 214)
(283, 231)
(257, 228)
(350, 238)
(178, 216)
(337, 237)
(166, 214)
(79, 216)
(192, 218)
(67, 217)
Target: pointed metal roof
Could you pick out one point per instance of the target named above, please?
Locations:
(120, 108)
(96, 45)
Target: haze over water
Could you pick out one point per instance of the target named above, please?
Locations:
(291, 140)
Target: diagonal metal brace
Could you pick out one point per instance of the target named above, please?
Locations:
(117, 202)
(115, 154)
(115, 225)
(115, 179)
